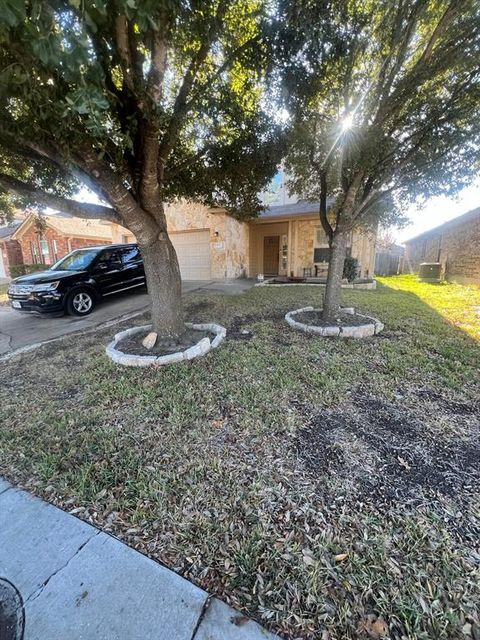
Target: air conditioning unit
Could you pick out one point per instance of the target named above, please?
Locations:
(430, 272)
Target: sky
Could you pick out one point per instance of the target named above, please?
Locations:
(437, 211)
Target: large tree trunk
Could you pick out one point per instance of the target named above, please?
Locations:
(164, 287)
(331, 303)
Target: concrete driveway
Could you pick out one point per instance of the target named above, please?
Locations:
(19, 330)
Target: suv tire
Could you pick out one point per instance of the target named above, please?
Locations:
(80, 302)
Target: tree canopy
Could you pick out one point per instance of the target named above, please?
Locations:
(385, 104)
(390, 103)
(163, 94)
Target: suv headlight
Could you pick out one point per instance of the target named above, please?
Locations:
(47, 286)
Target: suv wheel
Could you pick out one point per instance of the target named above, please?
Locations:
(80, 302)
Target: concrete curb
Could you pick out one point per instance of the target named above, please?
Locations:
(370, 328)
(78, 582)
(196, 351)
(103, 325)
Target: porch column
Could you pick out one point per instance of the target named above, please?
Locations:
(289, 251)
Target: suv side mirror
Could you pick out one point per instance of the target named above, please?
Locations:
(102, 266)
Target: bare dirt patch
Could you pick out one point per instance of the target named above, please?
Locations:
(133, 344)
(382, 453)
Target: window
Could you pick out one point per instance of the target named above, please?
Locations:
(110, 257)
(34, 252)
(321, 250)
(320, 237)
(54, 250)
(45, 252)
(77, 261)
(130, 256)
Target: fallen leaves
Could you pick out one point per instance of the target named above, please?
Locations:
(340, 557)
(375, 628)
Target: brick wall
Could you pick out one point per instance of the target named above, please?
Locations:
(12, 254)
(456, 247)
(57, 245)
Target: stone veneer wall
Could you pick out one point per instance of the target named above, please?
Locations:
(456, 247)
(302, 248)
(229, 239)
(237, 248)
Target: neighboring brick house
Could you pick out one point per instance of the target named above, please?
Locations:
(10, 250)
(24, 243)
(455, 244)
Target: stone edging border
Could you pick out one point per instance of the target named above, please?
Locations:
(367, 286)
(371, 328)
(200, 349)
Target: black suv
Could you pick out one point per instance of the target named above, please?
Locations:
(76, 282)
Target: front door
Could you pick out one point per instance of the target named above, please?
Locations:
(271, 248)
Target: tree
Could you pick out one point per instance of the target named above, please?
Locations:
(385, 106)
(142, 101)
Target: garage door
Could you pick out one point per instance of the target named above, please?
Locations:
(193, 251)
(2, 266)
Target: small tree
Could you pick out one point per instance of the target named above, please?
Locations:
(143, 101)
(385, 107)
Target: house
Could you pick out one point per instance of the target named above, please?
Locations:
(284, 240)
(24, 242)
(10, 250)
(454, 244)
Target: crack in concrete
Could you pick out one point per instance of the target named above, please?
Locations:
(203, 612)
(34, 595)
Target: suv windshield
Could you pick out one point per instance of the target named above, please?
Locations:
(76, 261)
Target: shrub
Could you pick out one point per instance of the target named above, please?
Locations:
(350, 268)
(24, 269)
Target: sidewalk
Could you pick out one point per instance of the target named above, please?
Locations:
(78, 583)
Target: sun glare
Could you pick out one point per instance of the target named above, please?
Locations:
(347, 122)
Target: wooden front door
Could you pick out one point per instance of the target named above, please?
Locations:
(271, 246)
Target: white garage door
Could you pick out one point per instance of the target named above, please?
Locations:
(193, 251)
(2, 266)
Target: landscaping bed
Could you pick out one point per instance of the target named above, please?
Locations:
(315, 318)
(328, 488)
(133, 343)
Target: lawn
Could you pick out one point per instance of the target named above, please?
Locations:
(329, 488)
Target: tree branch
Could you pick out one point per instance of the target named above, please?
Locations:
(327, 227)
(67, 205)
(123, 47)
(180, 107)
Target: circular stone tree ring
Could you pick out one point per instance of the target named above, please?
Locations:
(200, 349)
(370, 327)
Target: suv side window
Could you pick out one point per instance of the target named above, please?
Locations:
(110, 257)
(130, 256)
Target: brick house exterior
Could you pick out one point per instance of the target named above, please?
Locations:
(10, 250)
(455, 244)
(23, 243)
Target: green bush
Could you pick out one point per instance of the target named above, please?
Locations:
(350, 269)
(24, 269)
